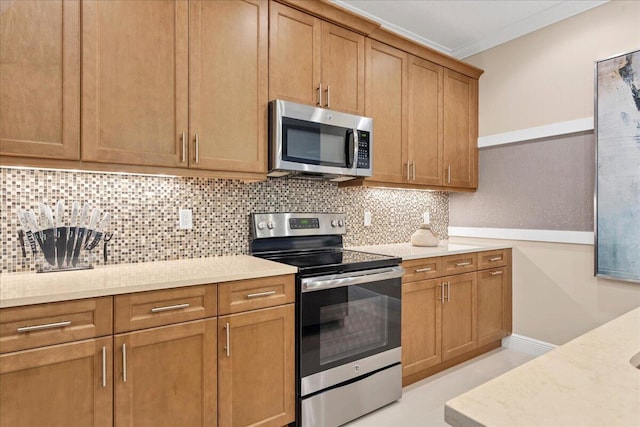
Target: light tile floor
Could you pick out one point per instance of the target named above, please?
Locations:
(422, 403)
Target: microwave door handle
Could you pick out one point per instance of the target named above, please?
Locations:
(349, 149)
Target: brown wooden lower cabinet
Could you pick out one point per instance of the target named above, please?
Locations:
(449, 319)
(59, 385)
(166, 376)
(256, 367)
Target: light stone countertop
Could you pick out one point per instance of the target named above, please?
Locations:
(407, 251)
(33, 288)
(587, 382)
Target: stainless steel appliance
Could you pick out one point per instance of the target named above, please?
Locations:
(348, 316)
(311, 141)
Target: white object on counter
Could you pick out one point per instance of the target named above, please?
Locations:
(424, 236)
(589, 381)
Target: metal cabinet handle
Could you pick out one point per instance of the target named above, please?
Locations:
(169, 307)
(498, 258)
(261, 294)
(197, 148)
(414, 170)
(449, 174)
(319, 103)
(495, 273)
(448, 291)
(183, 138)
(226, 347)
(422, 270)
(441, 293)
(46, 326)
(124, 362)
(408, 166)
(104, 367)
(328, 96)
(462, 264)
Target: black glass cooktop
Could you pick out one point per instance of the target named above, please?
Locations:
(330, 261)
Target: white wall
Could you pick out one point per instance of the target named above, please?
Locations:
(543, 78)
(547, 76)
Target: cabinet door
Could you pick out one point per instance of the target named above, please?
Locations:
(294, 55)
(421, 328)
(492, 296)
(62, 385)
(459, 329)
(228, 52)
(256, 367)
(425, 121)
(166, 376)
(342, 69)
(134, 81)
(40, 79)
(460, 130)
(386, 102)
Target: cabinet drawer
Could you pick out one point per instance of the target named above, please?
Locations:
(420, 269)
(463, 263)
(54, 323)
(157, 308)
(244, 295)
(491, 259)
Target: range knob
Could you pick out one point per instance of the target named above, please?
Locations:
(341, 223)
(334, 223)
(262, 225)
(270, 225)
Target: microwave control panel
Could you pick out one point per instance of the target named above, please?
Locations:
(364, 159)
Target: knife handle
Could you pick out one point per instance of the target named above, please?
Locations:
(32, 242)
(95, 241)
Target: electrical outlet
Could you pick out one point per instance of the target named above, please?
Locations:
(367, 219)
(425, 218)
(186, 219)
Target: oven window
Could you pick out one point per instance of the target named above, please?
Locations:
(351, 328)
(345, 324)
(314, 143)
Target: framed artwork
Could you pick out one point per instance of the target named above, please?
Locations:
(617, 187)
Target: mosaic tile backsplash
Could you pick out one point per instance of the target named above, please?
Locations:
(145, 221)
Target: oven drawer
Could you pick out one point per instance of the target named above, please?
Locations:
(421, 269)
(143, 310)
(244, 295)
(492, 259)
(40, 325)
(456, 264)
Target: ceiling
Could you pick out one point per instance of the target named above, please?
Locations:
(462, 28)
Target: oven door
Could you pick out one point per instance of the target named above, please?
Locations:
(347, 318)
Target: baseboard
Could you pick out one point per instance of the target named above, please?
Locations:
(527, 345)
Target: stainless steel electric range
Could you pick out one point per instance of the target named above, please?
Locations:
(347, 316)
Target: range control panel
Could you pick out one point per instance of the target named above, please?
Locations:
(297, 224)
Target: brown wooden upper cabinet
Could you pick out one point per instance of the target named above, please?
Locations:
(40, 79)
(314, 62)
(175, 83)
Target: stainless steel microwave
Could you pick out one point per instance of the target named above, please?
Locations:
(311, 141)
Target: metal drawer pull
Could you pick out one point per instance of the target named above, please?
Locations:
(408, 167)
(319, 104)
(422, 270)
(197, 148)
(498, 258)
(414, 170)
(226, 347)
(169, 307)
(441, 298)
(328, 95)
(104, 366)
(47, 326)
(184, 147)
(124, 362)
(449, 175)
(448, 291)
(495, 273)
(462, 264)
(261, 294)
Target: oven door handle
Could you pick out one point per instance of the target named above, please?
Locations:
(312, 284)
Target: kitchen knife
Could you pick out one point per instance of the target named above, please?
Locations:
(21, 238)
(91, 227)
(61, 234)
(104, 223)
(46, 216)
(80, 233)
(30, 217)
(22, 217)
(73, 230)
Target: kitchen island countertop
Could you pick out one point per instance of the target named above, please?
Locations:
(18, 289)
(587, 382)
(407, 251)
